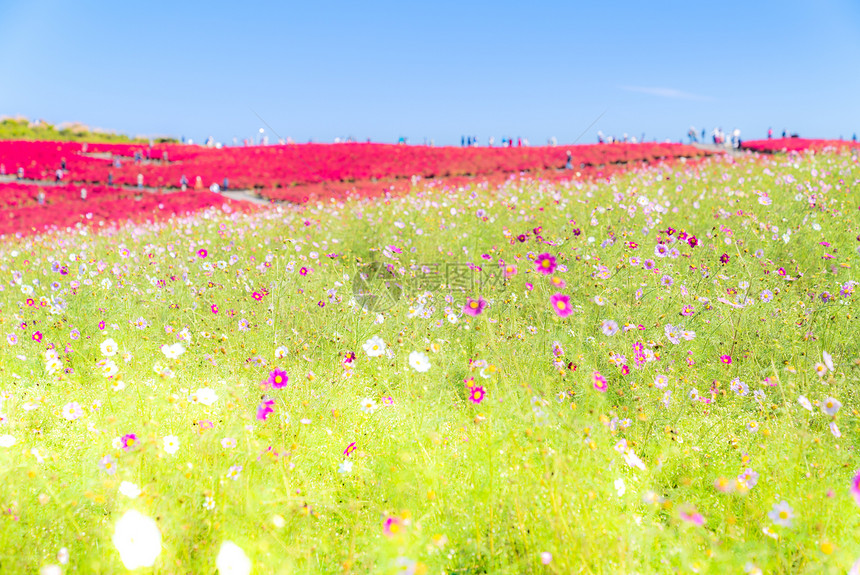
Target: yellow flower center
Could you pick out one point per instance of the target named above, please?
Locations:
(278, 379)
(561, 305)
(545, 263)
(783, 515)
(473, 305)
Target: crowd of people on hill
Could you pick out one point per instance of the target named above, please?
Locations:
(472, 141)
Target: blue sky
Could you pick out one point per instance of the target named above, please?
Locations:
(435, 70)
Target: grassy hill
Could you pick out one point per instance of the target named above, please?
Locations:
(24, 129)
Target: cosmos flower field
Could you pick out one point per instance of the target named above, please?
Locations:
(651, 373)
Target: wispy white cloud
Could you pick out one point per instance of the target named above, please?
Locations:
(666, 93)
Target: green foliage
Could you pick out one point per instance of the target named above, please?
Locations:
(23, 129)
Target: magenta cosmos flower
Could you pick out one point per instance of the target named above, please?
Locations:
(545, 264)
(202, 253)
(855, 487)
(476, 394)
(349, 449)
(474, 307)
(266, 407)
(392, 526)
(278, 378)
(128, 441)
(561, 304)
(599, 382)
(726, 359)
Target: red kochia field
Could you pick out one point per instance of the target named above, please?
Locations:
(295, 173)
(794, 145)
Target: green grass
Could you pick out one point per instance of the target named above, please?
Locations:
(471, 488)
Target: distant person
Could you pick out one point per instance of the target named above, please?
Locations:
(139, 181)
(770, 133)
(225, 183)
(183, 182)
(198, 183)
(62, 163)
(569, 164)
(462, 141)
(110, 178)
(703, 135)
(691, 133)
(783, 133)
(41, 197)
(2, 169)
(214, 188)
(164, 156)
(84, 194)
(59, 175)
(599, 137)
(853, 138)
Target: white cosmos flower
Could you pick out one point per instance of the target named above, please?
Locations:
(7, 440)
(129, 489)
(171, 444)
(828, 360)
(802, 400)
(374, 347)
(137, 539)
(830, 406)
(781, 514)
(108, 367)
(72, 411)
(232, 560)
(53, 365)
(419, 361)
(368, 405)
(109, 347)
(205, 396)
(172, 351)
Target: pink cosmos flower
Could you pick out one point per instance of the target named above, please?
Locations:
(202, 253)
(692, 516)
(278, 378)
(726, 359)
(545, 264)
(476, 394)
(600, 383)
(391, 526)
(474, 307)
(349, 449)
(561, 304)
(558, 282)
